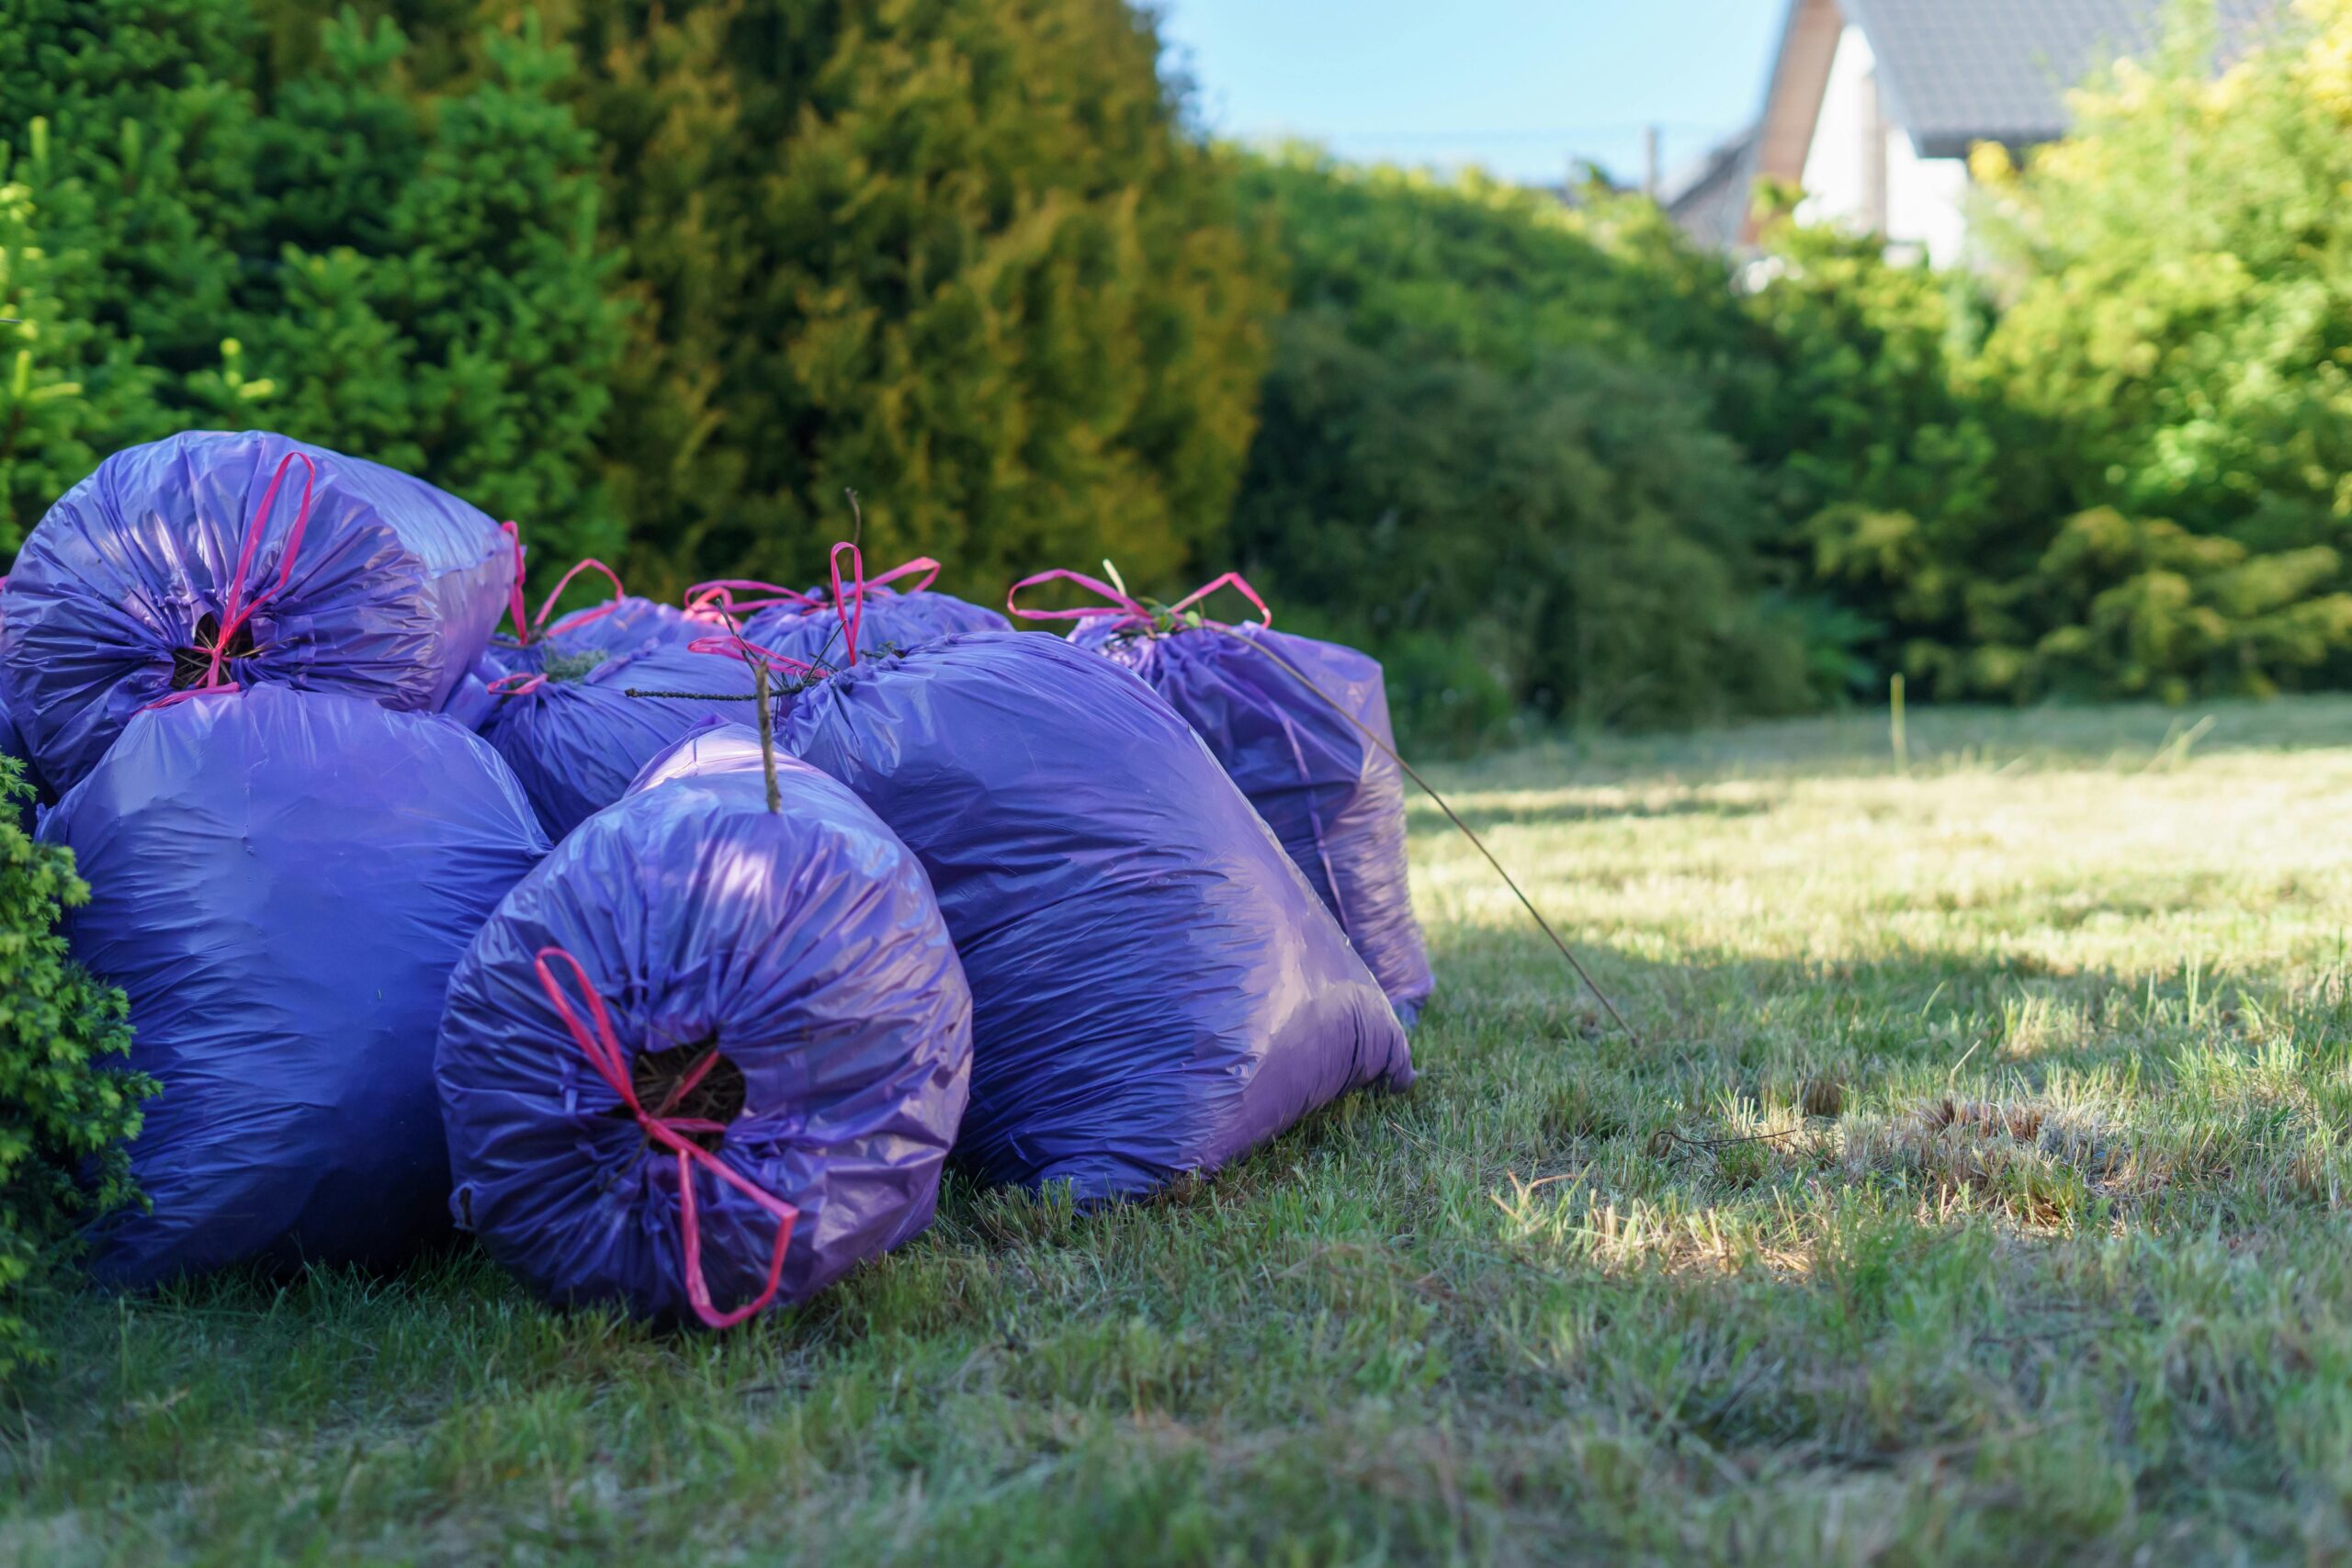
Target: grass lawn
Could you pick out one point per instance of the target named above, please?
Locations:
(1975, 1192)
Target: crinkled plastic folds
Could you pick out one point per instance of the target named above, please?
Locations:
(394, 593)
(630, 625)
(576, 743)
(805, 945)
(885, 619)
(1156, 988)
(1334, 798)
(281, 881)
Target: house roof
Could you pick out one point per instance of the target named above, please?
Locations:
(1711, 203)
(1955, 72)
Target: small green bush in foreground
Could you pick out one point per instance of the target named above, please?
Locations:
(64, 1115)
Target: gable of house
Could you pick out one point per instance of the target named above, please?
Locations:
(1941, 76)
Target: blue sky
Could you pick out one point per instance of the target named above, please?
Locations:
(1521, 86)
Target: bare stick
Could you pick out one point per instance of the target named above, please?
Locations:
(767, 732)
(1477, 842)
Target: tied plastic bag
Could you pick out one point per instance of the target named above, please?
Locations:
(180, 565)
(281, 882)
(1287, 716)
(709, 1055)
(897, 610)
(575, 735)
(626, 623)
(1155, 987)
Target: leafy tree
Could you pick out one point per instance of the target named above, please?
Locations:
(1907, 494)
(69, 389)
(1485, 455)
(1574, 540)
(2181, 326)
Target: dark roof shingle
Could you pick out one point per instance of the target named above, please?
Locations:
(1958, 72)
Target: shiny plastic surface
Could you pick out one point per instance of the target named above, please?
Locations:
(805, 946)
(1335, 800)
(1156, 988)
(392, 593)
(281, 881)
(577, 743)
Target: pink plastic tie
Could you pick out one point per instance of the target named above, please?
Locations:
(239, 610)
(705, 598)
(521, 683)
(527, 630)
(1122, 607)
(1234, 581)
(515, 607)
(852, 609)
(1125, 611)
(602, 1049)
(924, 564)
(579, 618)
(730, 645)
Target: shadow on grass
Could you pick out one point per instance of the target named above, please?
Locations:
(1428, 820)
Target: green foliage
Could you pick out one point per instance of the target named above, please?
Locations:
(414, 278)
(2181, 330)
(64, 1115)
(962, 258)
(69, 389)
(2120, 470)
(1905, 491)
(1473, 268)
(439, 299)
(1484, 454)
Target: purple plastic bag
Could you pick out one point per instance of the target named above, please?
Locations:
(807, 629)
(631, 626)
(576, 741)
(805, 948)
(281, 881)
(1334, 800)
(1156, 988)
(120, 592)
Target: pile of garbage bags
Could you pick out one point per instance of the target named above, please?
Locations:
(673, 951)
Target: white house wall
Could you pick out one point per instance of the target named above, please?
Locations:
(1861, 171)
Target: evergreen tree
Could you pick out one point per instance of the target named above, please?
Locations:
(961, 256)
(310, 243)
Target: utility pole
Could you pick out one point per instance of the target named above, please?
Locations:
(1651, 180)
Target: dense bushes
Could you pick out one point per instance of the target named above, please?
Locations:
(961, 257)
(63, 1114)
(199, 239)
(1485, 453)
(665, 279)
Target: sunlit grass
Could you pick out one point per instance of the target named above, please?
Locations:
(1974, 1191)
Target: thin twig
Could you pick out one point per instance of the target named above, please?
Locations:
(1451, 816)
(767, 734)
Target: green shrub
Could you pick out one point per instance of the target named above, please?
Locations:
(1576, 533)
(963, 258)
(64, 1114)
(310, 244)
(70, 389)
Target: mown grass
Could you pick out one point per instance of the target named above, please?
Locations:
(1972, 1193)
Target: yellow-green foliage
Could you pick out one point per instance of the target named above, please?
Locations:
(2180, 329)
(307, 242)
(961, 257)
